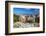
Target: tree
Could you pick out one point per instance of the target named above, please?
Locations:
(16, 18)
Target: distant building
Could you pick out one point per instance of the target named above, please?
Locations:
(24, 18)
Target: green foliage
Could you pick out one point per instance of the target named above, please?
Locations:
(16, 18)
(37, 19)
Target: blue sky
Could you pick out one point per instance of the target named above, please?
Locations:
(26, 11)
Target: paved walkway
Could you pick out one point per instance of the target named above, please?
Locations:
(25, 25)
